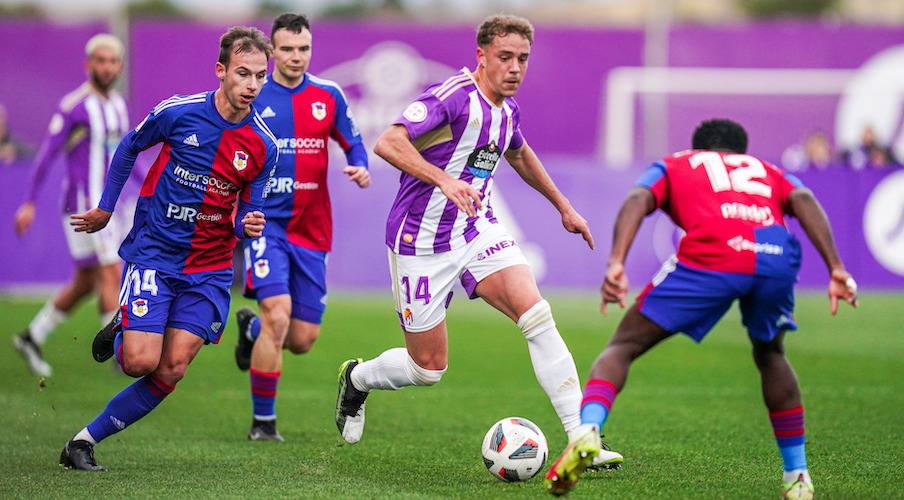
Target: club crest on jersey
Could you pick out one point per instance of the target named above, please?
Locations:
(483, 160)
(262, 268)
(240, 160)
(408, 316)
(318, 109)
(139, 307)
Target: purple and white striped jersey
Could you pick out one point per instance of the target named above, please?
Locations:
(87, 127)
(456, 128)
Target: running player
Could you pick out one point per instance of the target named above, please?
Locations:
(442, 228)
(286, 267)
(86, 128)
(216, 161)
(732, 206)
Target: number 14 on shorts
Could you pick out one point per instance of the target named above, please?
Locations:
(421, 289)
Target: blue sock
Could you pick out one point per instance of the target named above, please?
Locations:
(788, 426)
(130, 405)
(263, 394)
(599, 395)
(117, 347)
(254, 329)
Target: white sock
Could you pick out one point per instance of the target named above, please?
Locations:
(391, 371)
(106, 317)
(791, 475)
(84, 435)
(47, 319)
(553, 364)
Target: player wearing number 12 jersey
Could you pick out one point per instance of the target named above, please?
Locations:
(214, 167)
(737, 246)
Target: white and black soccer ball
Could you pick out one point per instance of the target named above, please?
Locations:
(514, 449)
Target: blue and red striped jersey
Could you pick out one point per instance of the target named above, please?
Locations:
(209, 173)
(303, 120)
(732, 208)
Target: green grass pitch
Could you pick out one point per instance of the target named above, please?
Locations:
(690, 421)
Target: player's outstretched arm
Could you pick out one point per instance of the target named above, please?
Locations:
(639, 203)
(803, 205)
(525, 161)
(396, 148)
(91, 221)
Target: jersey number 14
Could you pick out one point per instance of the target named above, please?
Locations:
(740, 179)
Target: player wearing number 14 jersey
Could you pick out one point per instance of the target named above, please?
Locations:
(442, 229)
(737, 246)
(214, 167)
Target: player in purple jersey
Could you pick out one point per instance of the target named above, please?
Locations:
(442, 229)
(286, 267)
(216, 161)
(87, 126)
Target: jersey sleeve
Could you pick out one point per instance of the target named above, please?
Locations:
(517, 137)
(788, 183)
(152, 130)
(426, 113)
(345, 131)
(254, 193)
(57, 132)
(655, 179)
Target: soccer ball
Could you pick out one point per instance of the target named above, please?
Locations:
(514, 449)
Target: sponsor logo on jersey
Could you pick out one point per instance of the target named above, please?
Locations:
(192, 140)
(189, 214)
(496, 248)
(240, 160)
(483, 160)
(268, 112)
(318, 110)
(203, 182)
(139, 307)
(262, 268)
(752, 213)
(302, 145)
(416, 112)
(281, 185)
(741, 244)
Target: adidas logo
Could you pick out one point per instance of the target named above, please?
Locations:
(119, 424)
(191, 140)
(268, 112)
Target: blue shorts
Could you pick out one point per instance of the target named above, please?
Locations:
(152, 300)
(691, 301)
(274, 266)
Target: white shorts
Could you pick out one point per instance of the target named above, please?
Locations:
(100, 248)
(422, 284)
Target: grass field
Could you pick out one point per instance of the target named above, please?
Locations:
(690, 422)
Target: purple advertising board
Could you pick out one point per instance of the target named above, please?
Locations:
(566, 118)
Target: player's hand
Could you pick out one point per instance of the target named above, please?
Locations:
(465, 197)
(842, 286)
(25, 216)
(359, 175)
(91, 221)
(615, 286)
(254, 222)
(574, 223)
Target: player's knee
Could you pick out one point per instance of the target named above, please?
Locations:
(768, 354)
(139, 365)
(537, 320)
(172, 371)
(424, 376)
(303, 341)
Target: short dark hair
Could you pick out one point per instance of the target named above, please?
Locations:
(240, 40)
(720, 134)
(502, 25)
(292, 22)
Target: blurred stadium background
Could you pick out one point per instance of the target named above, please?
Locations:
(612, 85)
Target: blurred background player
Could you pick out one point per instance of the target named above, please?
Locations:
(217, 153)
(737, 246)
(87, 126)
(441, 228)
(286, 267)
